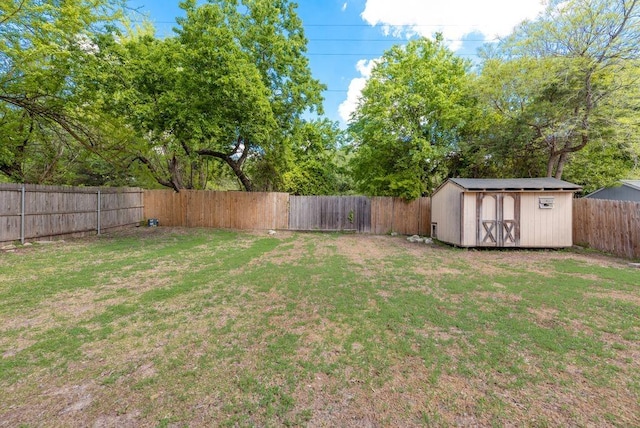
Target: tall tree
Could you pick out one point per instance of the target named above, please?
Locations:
(554, 80)
(44, 48)
(410, 117)
(230, 85)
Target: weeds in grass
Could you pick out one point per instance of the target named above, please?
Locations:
(225, 328)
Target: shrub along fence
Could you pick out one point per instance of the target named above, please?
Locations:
(36, 212)
(242, 210)
(611, 226)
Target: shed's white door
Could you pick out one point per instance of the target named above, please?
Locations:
(498, 219)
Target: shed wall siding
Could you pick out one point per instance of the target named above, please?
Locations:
(454, 209)
(445, 210)
(469, 222)
(546, 227)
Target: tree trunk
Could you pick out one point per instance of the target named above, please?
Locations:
(176, 178)
(237, 170)
(163, 181)
(236, 165)
(562, 160)
(552, 163)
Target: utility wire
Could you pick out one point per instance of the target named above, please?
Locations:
(345, 25)
(363, 54)
(395, 40)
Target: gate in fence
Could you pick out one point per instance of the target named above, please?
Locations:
(330, 213)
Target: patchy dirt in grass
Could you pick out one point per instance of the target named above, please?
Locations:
(363, 251)
(202, 358)
(31, 321)
(14, 346)
(127, 420)
(74, 398)
(83, 303)
(497, 262)
(545, 317)
(617, 295)
(289, 253)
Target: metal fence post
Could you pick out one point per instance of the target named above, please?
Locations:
(22, 215)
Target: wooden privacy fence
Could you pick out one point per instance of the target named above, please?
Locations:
(330, 213)
(397, 215)
(254, 210)
(229, 210)
(34, 211)
(611, 226)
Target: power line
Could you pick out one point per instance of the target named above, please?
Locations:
(137, 21)
(390, 25)
(395, 40)
(387, 40)
(362, 54)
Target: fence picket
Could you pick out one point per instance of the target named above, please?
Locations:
(611, 226)
(330, 213)
(50, 211)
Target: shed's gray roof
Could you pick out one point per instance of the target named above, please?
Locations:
(489, 184)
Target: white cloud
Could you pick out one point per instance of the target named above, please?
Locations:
(356, 86)
(365, 67)
(344, 6)
(453, 18)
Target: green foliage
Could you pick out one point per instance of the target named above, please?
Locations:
(46, 51)
(411, 116)
(222, 103)
(557, 86)
(313, 167)
(231, 85)
(186, 94)
(599, 165)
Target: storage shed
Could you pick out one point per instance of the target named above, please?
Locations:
(517, 212)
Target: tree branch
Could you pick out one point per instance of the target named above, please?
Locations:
(154, 172)
(14, 13)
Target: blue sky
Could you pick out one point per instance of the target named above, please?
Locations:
(346, 35)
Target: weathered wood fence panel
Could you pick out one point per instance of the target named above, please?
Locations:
(611, 226)
(227, 210)
(399, 216)
(10, 209)
(33, 211)
(336, 213)
(255, 210)
(121, 207)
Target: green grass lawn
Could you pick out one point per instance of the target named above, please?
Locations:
(168, 327)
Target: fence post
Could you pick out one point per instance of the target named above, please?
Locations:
(22, 214)
(98, 211)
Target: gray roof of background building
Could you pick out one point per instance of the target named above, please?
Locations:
(632, 183)
(626, 190)
(514, 184)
